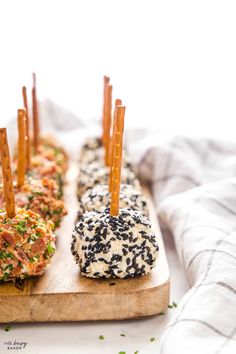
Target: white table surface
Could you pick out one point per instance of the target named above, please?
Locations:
(82, 338)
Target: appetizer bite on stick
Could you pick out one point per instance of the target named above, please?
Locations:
(27, 241)
(99, 198)
(93, 175)
(46, 146)
(96, 150)
(40, 195)
(98, 173)
(114, 242)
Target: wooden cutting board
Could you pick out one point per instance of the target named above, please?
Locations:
(61, 294)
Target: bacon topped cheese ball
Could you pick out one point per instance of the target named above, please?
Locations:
(42, 197)
(106, 246)
(51, 150)
(42, 167)
(27, 243)
(93, 174)
(99, 197)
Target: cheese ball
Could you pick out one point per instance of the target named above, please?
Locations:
(52, 151)
(99, 197)
(42, 197)
(93, 152)
(93, 174)
(27, 244)
(105, 246)
(42, 167)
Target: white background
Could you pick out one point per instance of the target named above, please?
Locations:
(174, 65)
(172, 62)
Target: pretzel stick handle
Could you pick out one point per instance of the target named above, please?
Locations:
(35, 115)
(106, 81)
(117, 161)
(7, 174)
(118, 102)
(21, 162)
(27, 134)
(107, 134)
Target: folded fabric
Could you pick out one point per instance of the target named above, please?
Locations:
(195, 193)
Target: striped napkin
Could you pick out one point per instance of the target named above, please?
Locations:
(194, 187)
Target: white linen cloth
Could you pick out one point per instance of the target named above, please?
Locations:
(194, 187)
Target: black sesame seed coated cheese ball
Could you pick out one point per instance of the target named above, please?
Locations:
(107, 247)
(94, 174)
(93, 151)
(98, 198)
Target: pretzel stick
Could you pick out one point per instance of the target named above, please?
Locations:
(35, 115)
(118, 102)
(107, 122)
(21, 148)
(7, 175)
(106, 81)
(117, 161)
(27, 135)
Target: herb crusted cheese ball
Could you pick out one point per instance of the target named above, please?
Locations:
(27, 244)
(99, 197)
(106, 246)
(42, 197)
(51, 150)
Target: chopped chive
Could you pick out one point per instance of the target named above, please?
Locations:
(7, 328)
(122, 335)
(170, 306)
(101, 337)
(122, 352)
(174, 304)
(152, 339)
(162, 313)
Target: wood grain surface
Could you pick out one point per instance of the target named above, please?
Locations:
(61, 294)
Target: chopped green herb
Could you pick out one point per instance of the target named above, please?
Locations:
(50, 249)
(3, 255)
(136, 352)
(9, 266)
(122, 352)
(7, 328)
(57, 211)
(152, 339)
(162, 313)
(174, 304)
(38, 193)
(122, 335)
(21, 223)
(170, 306)
(21, 229)
(6, 276)
(101, 337)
